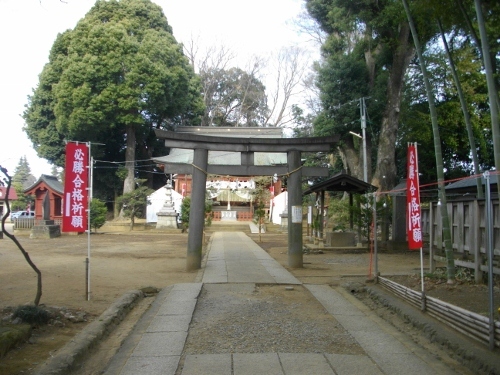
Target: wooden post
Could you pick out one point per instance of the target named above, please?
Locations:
(476, 243)
(322, 216)
(432, 263)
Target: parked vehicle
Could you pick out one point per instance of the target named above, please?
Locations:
(14, 215)
(21, 215)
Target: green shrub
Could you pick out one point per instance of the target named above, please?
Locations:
(186, 207)
(339, 215)
(98, 213)
(34, 315)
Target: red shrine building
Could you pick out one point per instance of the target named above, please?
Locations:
(228, 193)
(47, 185)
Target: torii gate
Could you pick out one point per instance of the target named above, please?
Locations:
(202, 144)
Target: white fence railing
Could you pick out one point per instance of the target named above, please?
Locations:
(28, 223)
(469, 323)
(24, 223)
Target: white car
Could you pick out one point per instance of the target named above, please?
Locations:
(21, 214)
(14, 215)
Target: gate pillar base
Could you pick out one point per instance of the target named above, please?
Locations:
(193, 262)
(295, 261)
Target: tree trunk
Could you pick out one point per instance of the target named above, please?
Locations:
(116, 206)
(385, 172)
(129, 183)
(132, 221)
(352, 157)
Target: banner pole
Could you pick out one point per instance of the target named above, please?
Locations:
(424, 304)
(89, 200)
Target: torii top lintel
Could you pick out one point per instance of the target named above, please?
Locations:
(235, 144)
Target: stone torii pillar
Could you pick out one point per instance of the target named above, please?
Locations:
(200, 167)
(294, 184)
(197, 209)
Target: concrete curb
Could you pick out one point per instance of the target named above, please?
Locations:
(80, 346)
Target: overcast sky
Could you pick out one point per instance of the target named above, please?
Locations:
(28, 29)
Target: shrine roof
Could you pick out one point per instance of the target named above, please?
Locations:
(230, 131)
(12, 193)
(51, 181)
(469, 185)
(341, 182)
(184, 156)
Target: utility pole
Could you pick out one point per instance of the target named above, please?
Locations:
(362, 109)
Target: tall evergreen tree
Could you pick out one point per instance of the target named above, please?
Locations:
(112, 80)
(21, 180)
(366, 55)
(22, 174)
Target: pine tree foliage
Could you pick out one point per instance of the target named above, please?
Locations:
(134, 204)
(21, 180)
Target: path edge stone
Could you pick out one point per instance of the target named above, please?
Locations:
(77, 349)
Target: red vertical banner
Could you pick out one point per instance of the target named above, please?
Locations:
(76, 183)
(413, 200)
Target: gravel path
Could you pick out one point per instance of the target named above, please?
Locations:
(245, 318)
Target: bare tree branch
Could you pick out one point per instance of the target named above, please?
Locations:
(8, 181)
(306, 25)
(290, 67)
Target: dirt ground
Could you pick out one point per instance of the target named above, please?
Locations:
(121, 262)
(339, 268)
(118, 263)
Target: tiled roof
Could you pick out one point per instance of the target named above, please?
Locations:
(51, 181)
(12, 193)
(341, 182)
(178, 155)
(470, 182)
(184, 156)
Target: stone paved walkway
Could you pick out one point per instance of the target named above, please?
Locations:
(156, 344)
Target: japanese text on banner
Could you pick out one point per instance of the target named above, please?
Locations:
(413, 200)
(76, 188)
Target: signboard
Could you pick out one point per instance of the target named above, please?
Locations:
(413, 200)
(296, 214)
(76, 187)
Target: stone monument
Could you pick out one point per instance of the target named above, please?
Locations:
(167, 217)
(46, 228)
(284, 217)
